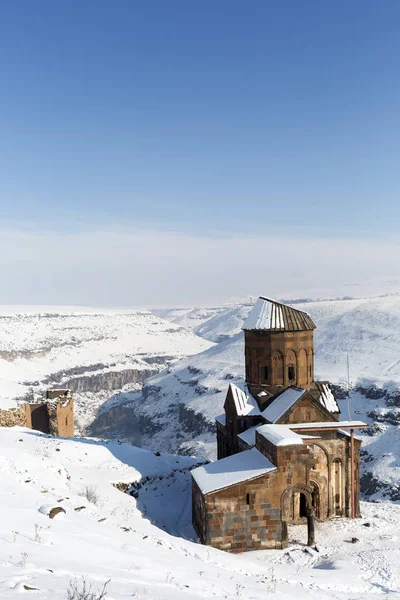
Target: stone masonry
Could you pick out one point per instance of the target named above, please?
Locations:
(54, 415)
(272, 472)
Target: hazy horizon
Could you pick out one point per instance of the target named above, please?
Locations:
(179, 153)
(142, 268)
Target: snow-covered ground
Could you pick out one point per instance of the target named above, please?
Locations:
(98, 351)
(145, 543)
(146, 547)
(367, 329)
(178, 406)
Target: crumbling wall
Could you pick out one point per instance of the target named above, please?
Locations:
(13, 416)
(55, 415)
(61, 416)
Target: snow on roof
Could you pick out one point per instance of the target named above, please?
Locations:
(271, 315)
(329, 425)
(264, 315)
(326, 398)
(246, 405)
(280, 435)
(221, 419)
(231, 470)
(240, 398)
(347, 434)
(282, 403)
(249, 436)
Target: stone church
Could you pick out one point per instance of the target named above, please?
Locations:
(283, 455)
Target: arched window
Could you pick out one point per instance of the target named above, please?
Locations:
(291, 361)
(277, 369)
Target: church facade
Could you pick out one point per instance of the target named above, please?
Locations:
(283, 455)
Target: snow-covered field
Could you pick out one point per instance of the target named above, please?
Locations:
(146, 547)
(95, 352)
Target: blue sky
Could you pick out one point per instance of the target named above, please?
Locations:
(210, 118)
(201, 114)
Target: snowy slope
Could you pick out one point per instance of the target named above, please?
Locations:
(367, 329)
(189, 317)
(94, 352)
(224, 325)
(177, 408)
(112, 539)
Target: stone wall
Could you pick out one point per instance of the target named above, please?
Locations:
(306, 411)
(247, 516)
(270, 354)
(13, 417)
(199, 511)
(54, 416)
(61, 416)
(254, 514)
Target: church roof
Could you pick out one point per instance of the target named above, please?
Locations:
(274, 316)
(231, 470)
(246, 405)
(280, 435)
(240, 400)
(249, 436)
(282, 403)
(326, 396)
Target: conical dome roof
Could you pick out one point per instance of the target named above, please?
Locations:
(274, 316)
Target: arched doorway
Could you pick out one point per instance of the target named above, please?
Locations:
(295, 501)
(297, 507)
(302, 506)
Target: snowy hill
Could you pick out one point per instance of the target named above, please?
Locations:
(107, 355)
(366, 329)
(195, 318)
(224, 325)
(189, 317)
(145, 544)
(177, 408)
(92, 351)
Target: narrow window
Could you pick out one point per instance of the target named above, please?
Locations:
(266, 373)
(291, 376)
(247, 498)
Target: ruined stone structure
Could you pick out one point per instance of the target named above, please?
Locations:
(54, 415)
(284, 457)
(12, 417)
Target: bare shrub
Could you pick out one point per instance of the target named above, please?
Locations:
(91, 494)
(84, 591)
